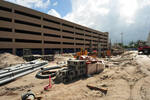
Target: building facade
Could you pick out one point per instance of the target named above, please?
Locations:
(21, 28)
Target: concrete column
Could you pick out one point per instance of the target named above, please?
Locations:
(74, 49)
(13, 32)
(74, 39)
(42, 35)
(84, 41)
(61, 49)
(99, 50)
(43, 51)
(14, 51)
(91, 47)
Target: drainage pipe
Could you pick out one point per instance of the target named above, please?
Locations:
(21, 72)
(52, 74)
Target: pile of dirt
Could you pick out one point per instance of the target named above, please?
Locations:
(7, 59)
(63, 57)
(134, 70)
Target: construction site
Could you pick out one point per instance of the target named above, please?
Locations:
(43, 57)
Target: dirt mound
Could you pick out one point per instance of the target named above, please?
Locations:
(141, 89)
(7, 59)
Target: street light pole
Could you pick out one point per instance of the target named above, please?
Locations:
(121, 38)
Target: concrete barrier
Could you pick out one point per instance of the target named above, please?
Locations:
(93, 68)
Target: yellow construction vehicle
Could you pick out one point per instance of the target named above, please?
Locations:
(85, 52)
(82, 52)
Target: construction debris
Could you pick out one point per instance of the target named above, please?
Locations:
(29, 95)
(102, 89)
(11, 73)
(126, 77)
(42, 57)
(95, 68)
(75, 69)
(44, 73)
(117, 49)
(49, 85)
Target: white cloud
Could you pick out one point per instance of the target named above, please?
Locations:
(115, 16)
(144, 3)
(128, 9)
(32, 3)
(85, 11)
(53, 12)
(98, 8)
(55, 3)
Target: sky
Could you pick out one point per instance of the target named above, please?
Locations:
(130, 17)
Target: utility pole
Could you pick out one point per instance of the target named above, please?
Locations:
(121, 38)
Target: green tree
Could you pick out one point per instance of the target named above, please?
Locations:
(131, 44)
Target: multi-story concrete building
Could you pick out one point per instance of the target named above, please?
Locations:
(21, 27)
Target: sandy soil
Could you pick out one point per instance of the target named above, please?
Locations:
(8, 59)
(126, 78)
